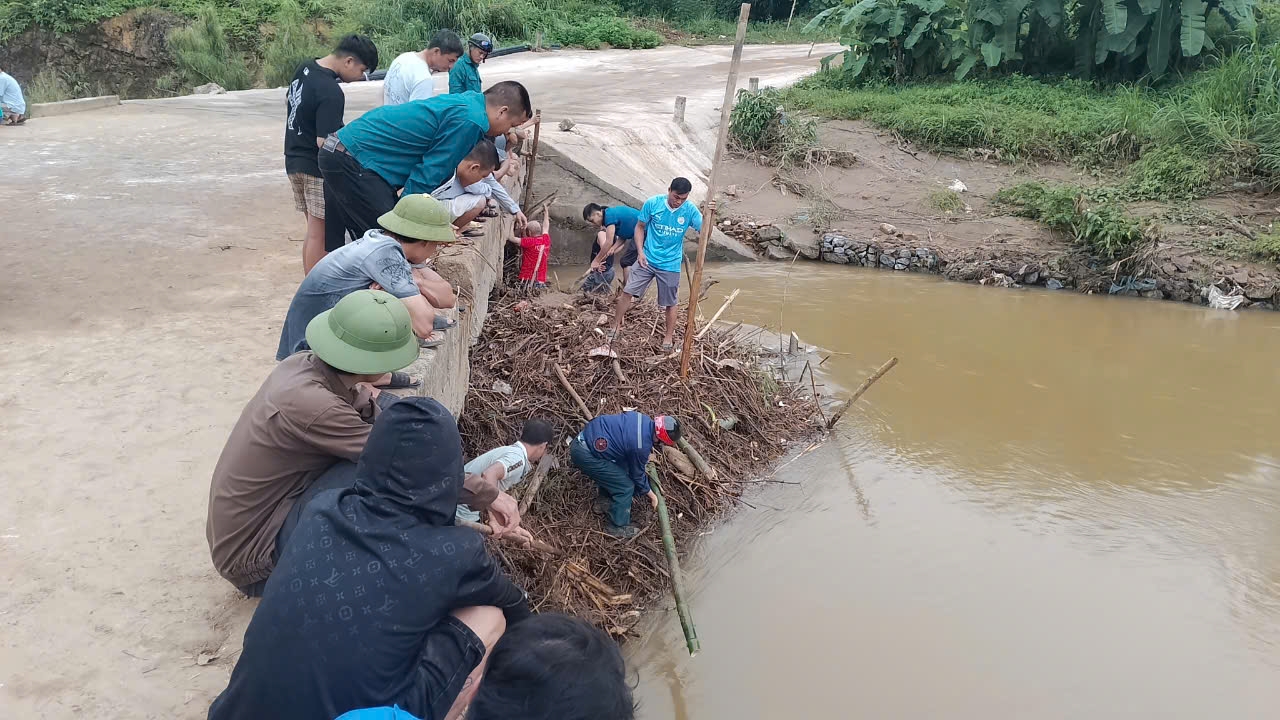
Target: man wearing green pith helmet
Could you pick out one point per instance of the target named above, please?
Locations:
(315, 408)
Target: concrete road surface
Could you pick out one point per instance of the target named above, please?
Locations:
(152, 250)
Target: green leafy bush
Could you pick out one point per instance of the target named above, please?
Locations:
(1266, 247)
(1169, 173)
(1101, 226)
(759, 125)
(293, 42)
(896, 39)
(203, 55)
(612, 31)
(407, 25)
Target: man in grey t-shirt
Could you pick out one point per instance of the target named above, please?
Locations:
(411, 234)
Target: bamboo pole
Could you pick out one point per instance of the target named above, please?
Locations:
(544, 466)
(486, 530)
(728, 301)
(697, 459)
(673, 565)
(708, 223)
(586, 414)
(533, 156)
(861, 389)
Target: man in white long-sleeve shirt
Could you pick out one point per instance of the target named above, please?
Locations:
(467, 201)
(409, 77)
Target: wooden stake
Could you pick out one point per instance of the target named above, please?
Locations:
(728, 301)
(753, 84)
(861, 389)
(533, 156)
(793, 345)
(793, 14)
(673, 565)
(680, 103)
(708, 223)
(486, 530)
(544, 466)
(817, 401)
(586, 414)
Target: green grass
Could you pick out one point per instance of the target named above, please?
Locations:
(1265, 247)
(48, 86)
(946, 200)
(759, 126)
(1100, 225)
(711, 30)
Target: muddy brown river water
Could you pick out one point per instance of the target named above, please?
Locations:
(1056, 506)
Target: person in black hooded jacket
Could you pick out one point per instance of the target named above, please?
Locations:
(378, 599)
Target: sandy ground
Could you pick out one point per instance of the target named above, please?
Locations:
(153, 249)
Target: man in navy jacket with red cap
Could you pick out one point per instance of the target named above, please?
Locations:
(613, 450)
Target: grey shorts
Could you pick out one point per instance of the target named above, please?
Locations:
(668, 284)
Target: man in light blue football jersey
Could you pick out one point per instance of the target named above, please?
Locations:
(659, 236)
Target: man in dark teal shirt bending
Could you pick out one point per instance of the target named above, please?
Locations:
(414, 147)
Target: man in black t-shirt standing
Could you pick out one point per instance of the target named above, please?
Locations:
(315, 104)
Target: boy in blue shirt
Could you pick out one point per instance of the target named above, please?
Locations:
(613, 450)
(410, 148)
(616, 237)
(660, 230)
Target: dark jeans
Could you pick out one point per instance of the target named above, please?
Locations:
(354, 198)
(611, 480)
(341, 476)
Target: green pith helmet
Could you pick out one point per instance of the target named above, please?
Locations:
(367, 333)
(420, 217)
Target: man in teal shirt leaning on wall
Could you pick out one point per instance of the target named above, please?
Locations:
(659, 234)
(415, 146)
(465, 75)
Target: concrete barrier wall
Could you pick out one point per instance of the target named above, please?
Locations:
(474, 268)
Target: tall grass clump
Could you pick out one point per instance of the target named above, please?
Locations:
(759, 125)
(48, 86)
(293, 42)
(407, 25)
(598, 32)
(203, 55)
(1101, 226)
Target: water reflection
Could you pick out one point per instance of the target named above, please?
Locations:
(1055, 506)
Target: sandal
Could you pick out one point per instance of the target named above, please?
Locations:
(400, 381)
(443, 323)
(436, 339)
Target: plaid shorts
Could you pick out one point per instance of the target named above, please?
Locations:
(308, 194)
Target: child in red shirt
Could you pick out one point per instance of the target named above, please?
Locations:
(535, 250)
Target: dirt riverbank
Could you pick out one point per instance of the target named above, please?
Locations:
(838, 214)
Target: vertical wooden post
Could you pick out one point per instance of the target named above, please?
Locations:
(709, 222)
(793, 345)
(533, 156)
(680, 102)
(793, 14)
(753, 84)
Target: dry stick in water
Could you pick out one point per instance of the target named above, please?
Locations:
(586, 414)
(544, 465)
(728, 301)
(673, 565)
(486, 530)
(709, 222)
(861, 389)
(816, 400)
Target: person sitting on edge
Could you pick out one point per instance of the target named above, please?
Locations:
(467, 193)
(378, 597)
(507, 466)
(409, 77)
(411, 148)
(617, 236)
(313, 410)
(535, 249)
(13, 107)
(613, 450)
(549, 666)
(660, 231)
(410, 234)
(314, 106)
(465, 75)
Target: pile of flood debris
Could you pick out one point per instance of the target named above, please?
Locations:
(733, 410)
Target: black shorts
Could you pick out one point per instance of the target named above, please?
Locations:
(628, 256)
(450, 652)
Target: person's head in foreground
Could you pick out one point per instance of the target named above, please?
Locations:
(479, 46)
(553, 667)
(443, 51)
(667, 429)
(421, 223)
(593, 214)
(536, 436)
(507, 104)
(355, 55)
(678, 192)
(367, 334)
(478, 164)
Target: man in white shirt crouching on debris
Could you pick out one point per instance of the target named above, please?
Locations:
(507, 466)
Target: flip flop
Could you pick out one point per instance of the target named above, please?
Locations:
(432, 341)
(443, 323)
(400, 381)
